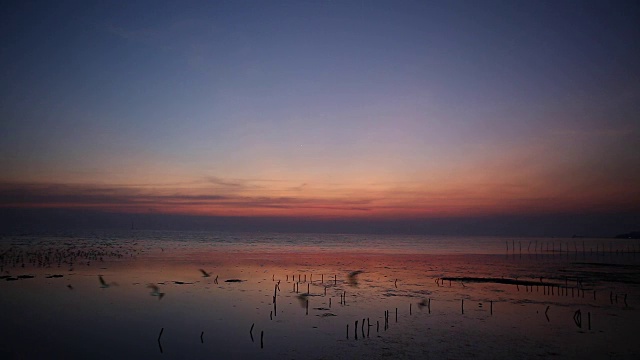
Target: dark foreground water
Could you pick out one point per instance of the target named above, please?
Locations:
(294, 296)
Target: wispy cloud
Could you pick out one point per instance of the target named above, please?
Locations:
(226, 183)
(127, 198)
(241, 197)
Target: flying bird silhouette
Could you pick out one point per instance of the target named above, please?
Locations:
(155, 291)
(204, 273)
(422, 304)
(103, 284)
(302, 298)
(353, 277)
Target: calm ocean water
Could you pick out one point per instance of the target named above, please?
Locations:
(164, 294)
(390, 244)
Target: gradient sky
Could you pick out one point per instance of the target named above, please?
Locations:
(388, 110)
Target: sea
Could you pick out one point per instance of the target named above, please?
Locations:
(186, 294)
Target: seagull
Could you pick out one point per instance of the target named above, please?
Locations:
(204, 273)
(303, 298)
(353, 280)
(422, 303)
(103, 284)
(155, 291)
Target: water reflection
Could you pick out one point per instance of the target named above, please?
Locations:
(233, 302)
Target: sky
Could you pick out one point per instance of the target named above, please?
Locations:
(404, 113)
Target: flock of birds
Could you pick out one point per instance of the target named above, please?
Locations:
(155, 289)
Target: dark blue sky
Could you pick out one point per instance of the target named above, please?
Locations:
(393, 110)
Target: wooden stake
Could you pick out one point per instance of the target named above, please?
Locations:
(262, 339)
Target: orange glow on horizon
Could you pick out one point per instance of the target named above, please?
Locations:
(375, 201)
